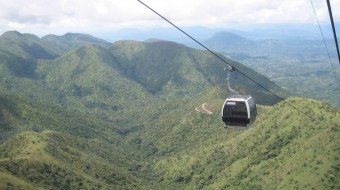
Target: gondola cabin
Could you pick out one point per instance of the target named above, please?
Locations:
(239, 111)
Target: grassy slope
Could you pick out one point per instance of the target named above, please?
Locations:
(284, 149)
(178, 147)
(188, 149)
(88, 74)
(55, 160)
(66, 159)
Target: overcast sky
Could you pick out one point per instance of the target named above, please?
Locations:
(90, 16)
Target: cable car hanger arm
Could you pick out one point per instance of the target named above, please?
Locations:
(333, 27)
(265, 88)
(215, 54)
(229, 70)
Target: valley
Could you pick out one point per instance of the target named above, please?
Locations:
(300, 66)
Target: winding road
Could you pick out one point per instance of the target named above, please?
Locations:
(203, 109)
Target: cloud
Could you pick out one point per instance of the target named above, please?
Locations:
(72, 15)
(28, 18)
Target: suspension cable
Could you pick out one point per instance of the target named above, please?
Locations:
(324, 41)
(229, 70)
(223, 60)
(333, 27)
(215, 54)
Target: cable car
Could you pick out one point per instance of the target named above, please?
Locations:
(238, 111)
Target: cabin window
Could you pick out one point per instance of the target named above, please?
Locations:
(236, 109)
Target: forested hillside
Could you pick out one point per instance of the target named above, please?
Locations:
(77, 112)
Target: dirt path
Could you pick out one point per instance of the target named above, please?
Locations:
(203, 109)
(206, 110)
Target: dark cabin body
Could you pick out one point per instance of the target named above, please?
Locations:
(239, 111)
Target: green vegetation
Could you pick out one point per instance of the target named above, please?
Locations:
(300, 66)
(310, 77)
(62, 44)
(27, 46)
(284, 150)
(123, 117)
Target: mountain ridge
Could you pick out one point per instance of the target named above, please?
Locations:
(195, 67)
(123, 117)
(70, 41)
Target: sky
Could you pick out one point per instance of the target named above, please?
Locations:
(43, 17)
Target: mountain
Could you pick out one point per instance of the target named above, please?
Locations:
(282, 48)
(299, 65)
(70, 41)
(89, 74)
(239, 47)
(227, 41)
(24, 76)
(255, 32)
(287, 31)
(43, 146)
(125, 117)
(171, 67)
(17, 65)
(135, 69)
(27, 46)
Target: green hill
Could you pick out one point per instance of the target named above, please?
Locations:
(69, 41)
(88, 74)
(177, 148)
(29, 46)
(285, 149)
(229, 42)
(48, 147)
(26, 46)
(55, 160)
(165, 66)
(108, 80)
(301, 66)
(124, 117)
(14, 65)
